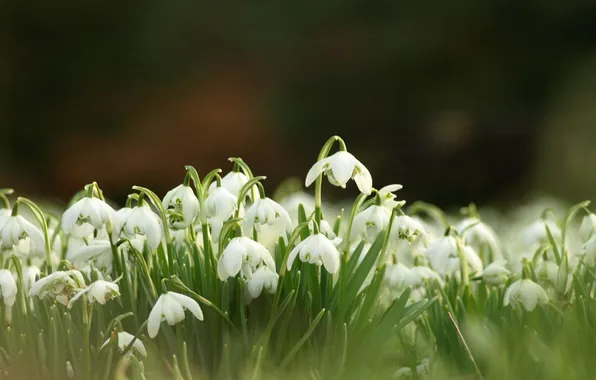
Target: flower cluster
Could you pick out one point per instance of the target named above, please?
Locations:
(258, 270)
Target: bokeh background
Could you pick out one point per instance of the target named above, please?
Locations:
(459, 101)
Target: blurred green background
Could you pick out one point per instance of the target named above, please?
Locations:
(459, 101)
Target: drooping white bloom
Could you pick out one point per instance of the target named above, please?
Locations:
(99, 291)
(588, 227)
(85, 216)
(262, 278)
(21, 235)
(525, 293)
(443, 256)
(317, 249)
(221, 203)
(407, 228)
(547, 271)
(30, 274)
(479, 235)
(388, 198)
(419, 276)
(535, 233)
(58, 285)
(266, 211)
(182, 206)
(496, 273)
(324, 227)
(588, 252)
(69, 370)
(339, 169)
(123, 339)
(396, 276)
(98, 253)
(8, 287)
(244, 254)
(233, 182)
(139, 220)
(369, 223)
(170, 307)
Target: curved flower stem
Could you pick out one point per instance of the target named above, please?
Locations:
(319, 182)
(44, 228)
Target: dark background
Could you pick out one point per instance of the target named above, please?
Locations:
(459, 101)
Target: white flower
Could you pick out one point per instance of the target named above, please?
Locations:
(369, 223)
(339, 168)
(99, 291)
(324, 227)
(58, 285)
(139, 220)
(495, 273)
(388, 198)
(182, 206)
(86, 215)
(479, 235)
(262, 278)
(233, 182)
(547, 271)
(170, 307)
(30, 273)
(396, 276)
(8, 287)
(443, 256)
(244, 254)
(98, 253)
(69, 370)
(317, 249)
(407, 228)
(21, 235)
(123, 339)
(535, 233)
(266, 211)
(588, 227)
(525, 293)
(221, 203)
(419, 276)
(588, 252)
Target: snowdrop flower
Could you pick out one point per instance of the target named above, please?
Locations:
(85, 216)
(525, 293)
(233, 182)
(30, 273)
(170, 307)
(339, 168)
(262, 278)
(547, 271)
(100, 291)
(266, 211)
(21, 235)
(443, 256)
(479, 235)
(324, 227)
(8, 287)
(58, 285)
(396, 276)
(98, 253)
(123, 339)
(317, 249)
(388, 198)
(139, 220)
(244, 254)
(419, 276)
(407, 228)
(495, 273)
(422, 369)
(588, 252)
(369, 223)
(221, 203)
(182, 206)
(535, 234)
(588, 227)
(69, 370)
